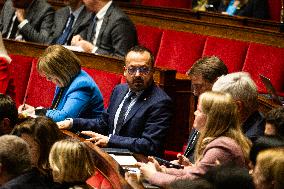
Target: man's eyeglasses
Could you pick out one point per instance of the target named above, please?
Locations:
(142, 70)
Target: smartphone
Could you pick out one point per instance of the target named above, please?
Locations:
(168, 164)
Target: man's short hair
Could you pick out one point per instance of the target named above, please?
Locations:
(15, 156)
(241, 87)
(276, 118)
(209, 67)
(8, 109)
(142, 49)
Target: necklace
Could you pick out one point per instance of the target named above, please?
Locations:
(57, 99)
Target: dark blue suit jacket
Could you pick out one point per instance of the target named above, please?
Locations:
(145, 127)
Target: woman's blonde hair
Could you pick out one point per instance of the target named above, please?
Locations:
(271, 165)
(60, 62)
(71, 161)
(222, 120)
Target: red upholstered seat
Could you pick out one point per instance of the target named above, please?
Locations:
(268, 61)
(99, 181)
(232, 52)
(20, 68)
(106, 81)
(168, 3)
(274, 7)
(149, 37)
(179, 50)
(40, 92)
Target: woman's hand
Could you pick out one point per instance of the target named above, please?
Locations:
(26, 110)
(147, 170)
(182, 160)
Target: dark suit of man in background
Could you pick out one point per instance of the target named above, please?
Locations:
(111, 31)
(144, 122)
(79, 20)
(31, 19)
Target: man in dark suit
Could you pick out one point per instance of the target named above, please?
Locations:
(111, 31)
(29, 20)
(203, 73)
(69, 21)
(139, 113)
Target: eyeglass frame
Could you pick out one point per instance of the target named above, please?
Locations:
(146, 70)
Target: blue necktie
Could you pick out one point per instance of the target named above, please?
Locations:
(63, 38)
(123, 110)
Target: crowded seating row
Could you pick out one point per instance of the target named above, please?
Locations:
(179, 50)
(273, 6)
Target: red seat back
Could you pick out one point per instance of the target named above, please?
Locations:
(106, 81)
(99, 181)
(232, 52)
(179, 50)
(20, 68)
(40, 92)
(168, 3)
(274, 7)
(268, 61)
(149, 37)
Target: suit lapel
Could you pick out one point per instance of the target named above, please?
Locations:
(8, 23)
(104, 24)
(63, 19)
(119, 99)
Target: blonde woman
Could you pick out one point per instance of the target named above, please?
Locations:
(221, 141)
(71, 164)
(269, 169)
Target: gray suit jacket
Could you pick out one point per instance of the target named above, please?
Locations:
(60, 20)
(117, 34)
(40, 16)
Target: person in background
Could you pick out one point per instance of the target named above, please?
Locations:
(261, 144)
(203, 73)
(6, 81)
(110, 33)
(8, 114)
(71, 163)
(248, 8)
(221, 142)
(244, 91)
(269, 170)
(28, 20)
(275, 122)
(76, 93)
(69, 21)
(139, 113)
(16, 171)
(40, 133)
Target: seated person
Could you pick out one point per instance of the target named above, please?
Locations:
(111, 32)
(139, 113)
(71, 163)
(248, 8)
(269, 169)
(69, 21)
(15, 165)
(76, 94)
(261, 144)
(275, 122)
(221, 141)
(244, 91)
(40, 133)
(29, 20)
(6, 82)
(8, 114)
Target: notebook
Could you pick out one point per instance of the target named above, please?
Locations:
(270, 89)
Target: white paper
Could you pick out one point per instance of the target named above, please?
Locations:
(74, 48)
(124, 160)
